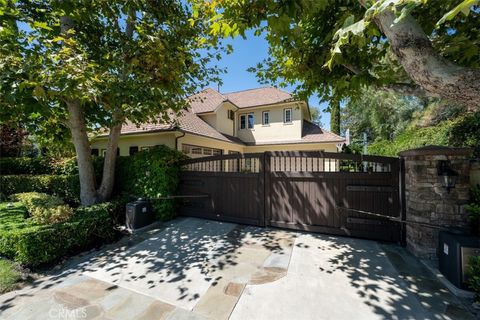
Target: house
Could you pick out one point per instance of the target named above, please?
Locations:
(256, 120)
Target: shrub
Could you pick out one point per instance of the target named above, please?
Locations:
(9, 275)
(473, 274)
(41, 244)
(66, 187)
(43, 208)
(151, 174)
(39, 165)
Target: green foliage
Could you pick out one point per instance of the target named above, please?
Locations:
(412, 138)
(10, 275)
(461, 131)
(473, 274)
(138, 59)
(334, 48)
(38, 165)
(33, 244)
(151, 174)
(381, 115)
(43, 208)
(473, 208)
(66, 187)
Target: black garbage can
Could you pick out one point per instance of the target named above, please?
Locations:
(454, 252)
(139, 214)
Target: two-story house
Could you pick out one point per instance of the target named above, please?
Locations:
(256, 120)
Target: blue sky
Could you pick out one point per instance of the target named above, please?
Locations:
(247, 53)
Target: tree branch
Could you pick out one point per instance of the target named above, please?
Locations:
(425, 66)
(409, 90)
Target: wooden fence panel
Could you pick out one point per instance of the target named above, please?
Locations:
(334, 193)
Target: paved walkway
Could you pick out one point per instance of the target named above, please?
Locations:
(199, 269)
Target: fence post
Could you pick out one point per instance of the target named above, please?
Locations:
(267, 186)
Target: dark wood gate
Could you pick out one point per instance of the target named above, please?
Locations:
(334, 193)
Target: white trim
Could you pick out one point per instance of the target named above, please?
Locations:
(285, 115)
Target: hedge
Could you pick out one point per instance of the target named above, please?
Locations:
(44, 165)
(151, 174)
(66, 187)
(43, 244)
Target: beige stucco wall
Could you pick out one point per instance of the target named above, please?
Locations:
(144, 140)
(223, 124)
(210, 143)
(328, 147)
(277, 130)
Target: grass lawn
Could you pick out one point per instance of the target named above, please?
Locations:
(10, 219)
(13, 218)
(10, 275)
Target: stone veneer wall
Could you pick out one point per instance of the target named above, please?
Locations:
(427, 201)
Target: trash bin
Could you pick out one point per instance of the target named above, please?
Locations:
(454, 252)
(139, 214)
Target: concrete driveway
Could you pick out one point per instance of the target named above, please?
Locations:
(199, 269)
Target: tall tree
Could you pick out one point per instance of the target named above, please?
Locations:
(334, 48)
(93, 64)
(335, 117)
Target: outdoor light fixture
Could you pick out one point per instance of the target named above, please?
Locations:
(447, 176)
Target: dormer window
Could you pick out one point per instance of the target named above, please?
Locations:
(287, 115)
(230, 114)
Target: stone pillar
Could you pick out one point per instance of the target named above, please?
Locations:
(427, 201)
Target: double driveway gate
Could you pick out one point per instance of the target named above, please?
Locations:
(334, 193)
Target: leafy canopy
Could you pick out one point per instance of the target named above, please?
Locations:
(140, 58)
(333, 48)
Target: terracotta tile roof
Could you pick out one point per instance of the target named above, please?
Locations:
(313, 133)
(258, 97)
(209, 99)
(186, 121)
(206, 100)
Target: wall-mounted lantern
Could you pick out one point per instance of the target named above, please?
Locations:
(448, 176)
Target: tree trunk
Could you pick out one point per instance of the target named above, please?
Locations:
(108, 178)
(78, 128)
(335, 117)
(425, 66)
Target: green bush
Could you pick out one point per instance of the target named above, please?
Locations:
(40, 165)
(473, 274)
(34, 245)
(63, 186)
(151, 174)
(44, 208)
(462, 131)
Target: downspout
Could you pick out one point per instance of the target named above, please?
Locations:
(176, 139)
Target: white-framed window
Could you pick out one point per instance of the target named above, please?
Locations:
(243, 121)
(266, 118)
(216, 152)
(103, 152)
(196, 150)
(207, 151)
(287, 115)
(251, 120)
(230, 114)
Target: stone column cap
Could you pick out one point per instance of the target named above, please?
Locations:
(436, 150)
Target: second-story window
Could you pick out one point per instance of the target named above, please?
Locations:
(265, 118)
(287, 116)
(250, 121)
(243, 121)
(230, 114)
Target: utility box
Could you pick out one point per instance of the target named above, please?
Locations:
(139, 214)
(454, 252)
